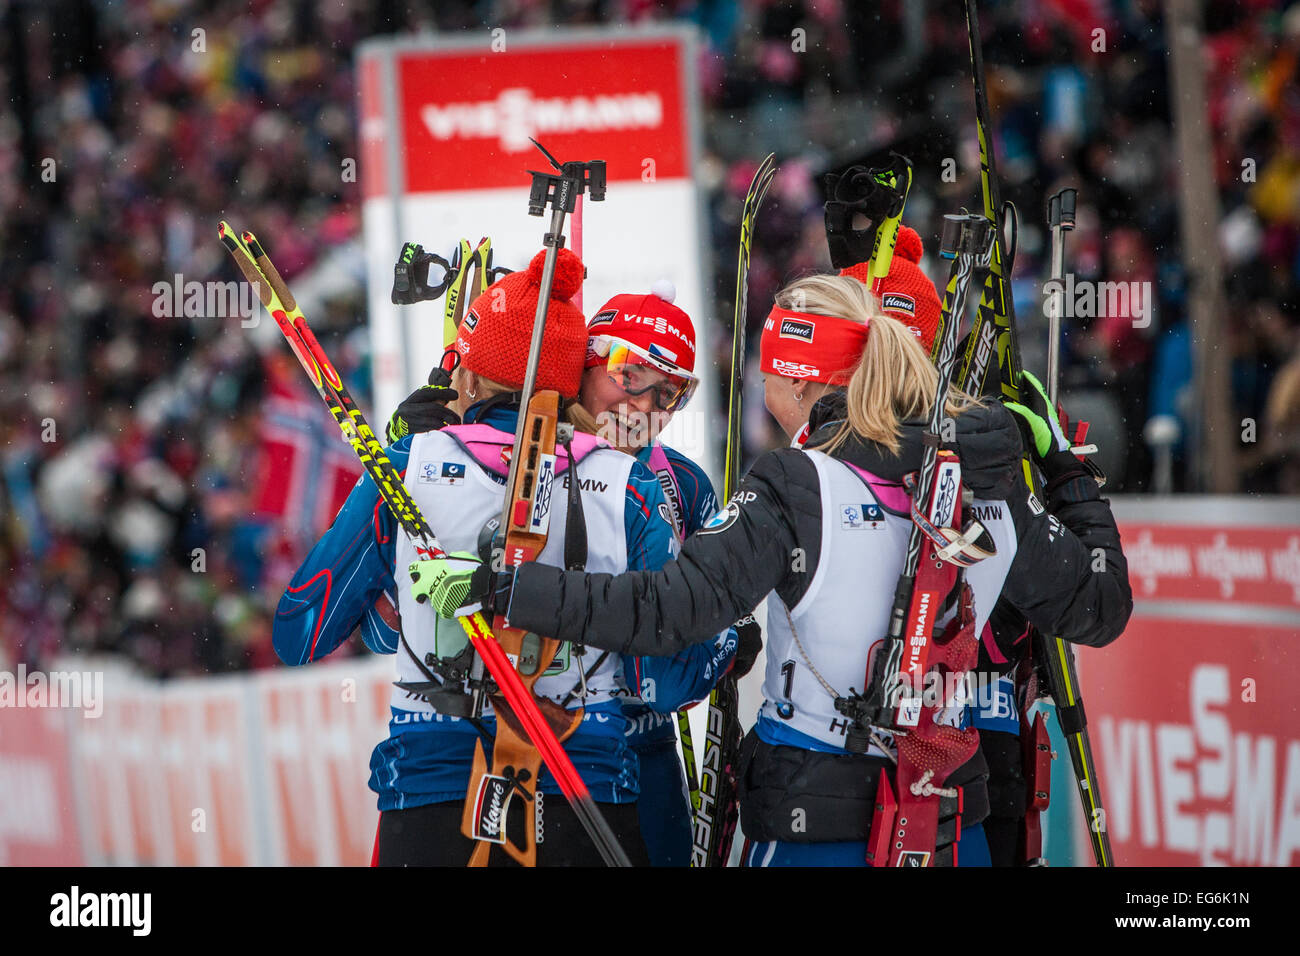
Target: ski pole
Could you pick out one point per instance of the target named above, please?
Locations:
(1062, 673)
(1060, 219)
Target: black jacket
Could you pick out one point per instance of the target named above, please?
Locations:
(1071, 583)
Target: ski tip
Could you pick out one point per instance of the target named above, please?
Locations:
(227, 236)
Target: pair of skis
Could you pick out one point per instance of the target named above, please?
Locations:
(994, 336)
(257, 268)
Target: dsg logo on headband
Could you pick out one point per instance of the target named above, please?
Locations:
(794, 369)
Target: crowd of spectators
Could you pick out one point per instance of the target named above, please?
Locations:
(133, 447)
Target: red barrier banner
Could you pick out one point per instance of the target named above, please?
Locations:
(166, 776)
(37, 821)
(241, 770)
(317, 738)
(1239, 566)
(1192, 710)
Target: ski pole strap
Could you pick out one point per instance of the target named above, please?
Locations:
(575, 524)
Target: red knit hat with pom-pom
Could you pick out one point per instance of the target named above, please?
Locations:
(907, 294)
(493, 339)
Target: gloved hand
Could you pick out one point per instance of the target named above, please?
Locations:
(1036, 413)
(449, 583)
(425, 409)
(749, 641)
(873, 194)
(460, 584)
(1041, 429)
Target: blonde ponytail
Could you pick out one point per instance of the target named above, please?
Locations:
(894, 380)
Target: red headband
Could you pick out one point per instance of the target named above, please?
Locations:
(822, 348)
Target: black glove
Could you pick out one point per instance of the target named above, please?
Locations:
(749, 641)
(859, 191)
(425, 409)
(411, 275)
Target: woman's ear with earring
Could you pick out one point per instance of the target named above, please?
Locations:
(464, 382)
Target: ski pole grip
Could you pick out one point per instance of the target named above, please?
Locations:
(1068, 197)
(1060, 210)
(964, 235)
(951, 238)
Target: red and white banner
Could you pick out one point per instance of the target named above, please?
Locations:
(467, 118)
(37, 823)
(1192, 711)
(445, 128)
(267, 769)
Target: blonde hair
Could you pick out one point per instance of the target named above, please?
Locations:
(570, 410)
(893, 381)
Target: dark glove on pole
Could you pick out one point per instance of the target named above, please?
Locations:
(425, 409)
(749, 641)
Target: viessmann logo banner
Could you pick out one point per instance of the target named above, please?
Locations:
(1192, 709)
(1214, 563)
(467, 118)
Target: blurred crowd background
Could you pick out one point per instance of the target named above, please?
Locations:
(161, 475)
